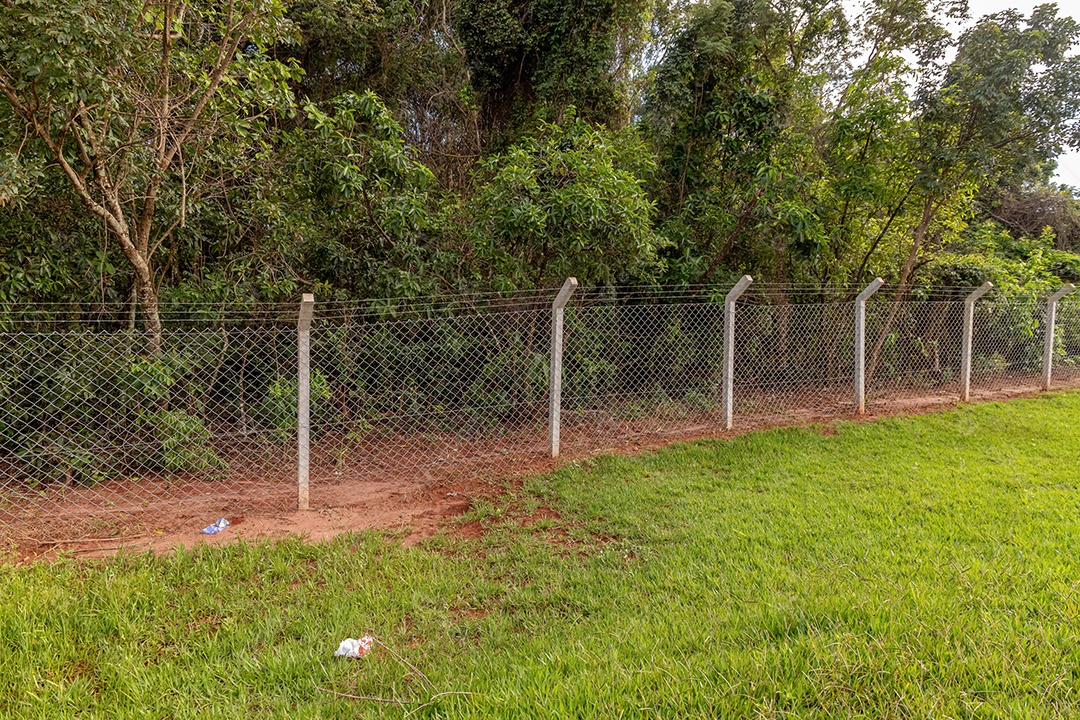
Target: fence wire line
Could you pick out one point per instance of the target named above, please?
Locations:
(119, 313)
(98, 438)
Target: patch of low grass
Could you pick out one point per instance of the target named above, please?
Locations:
(923, 566)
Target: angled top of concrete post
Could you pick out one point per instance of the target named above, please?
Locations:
(1062, 292)
(870, 289)
(739, 289)
(979, 292)
(565, 292)
(307, 304)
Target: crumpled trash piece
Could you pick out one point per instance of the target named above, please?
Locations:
(216, 527)
(355, 648)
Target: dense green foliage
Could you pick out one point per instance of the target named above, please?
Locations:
(193, 151)
(791, 573)
(194, 154)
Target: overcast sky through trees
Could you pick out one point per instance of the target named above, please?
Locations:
(1068, 171)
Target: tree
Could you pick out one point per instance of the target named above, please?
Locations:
(1027, 211)
(569, 201)
(154, 153)
(409, 54)
(528, 53)
(723, 101)
(124, 100)
(368, 201)
(1007, 101)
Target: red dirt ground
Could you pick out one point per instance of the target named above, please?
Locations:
(412, 501)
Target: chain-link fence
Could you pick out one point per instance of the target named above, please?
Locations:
(1067, 361)
(95, 436)
(98, 437)
(639, 370)
(432, 398)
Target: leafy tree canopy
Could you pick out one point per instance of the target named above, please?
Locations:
(186, 151)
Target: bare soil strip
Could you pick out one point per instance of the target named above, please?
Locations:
(409, 486)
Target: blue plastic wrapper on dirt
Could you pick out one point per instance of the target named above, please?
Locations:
(217, 527)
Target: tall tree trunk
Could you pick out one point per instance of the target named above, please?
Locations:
(143, 272)
(148, 304)
(905, 282)
(148, 296)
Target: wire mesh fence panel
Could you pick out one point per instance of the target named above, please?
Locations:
(640, 372)
(97, 438)
(913, 351)
(429, 399)
(1007, 350)
(793, 361)
(1067, 340)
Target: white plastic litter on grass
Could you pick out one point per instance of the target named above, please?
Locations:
(355, 648)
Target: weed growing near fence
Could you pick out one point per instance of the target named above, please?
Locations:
(907, 567)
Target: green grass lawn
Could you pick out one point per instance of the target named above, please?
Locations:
(910, 567)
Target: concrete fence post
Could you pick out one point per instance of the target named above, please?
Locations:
(555, 395)
(303, 400)
(729, 346)
(968, 340)
(1048, 342)
(860, 343)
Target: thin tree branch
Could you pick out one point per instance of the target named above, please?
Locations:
(364, 697)
(405, 662)
(435, 698)
(230, 41)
